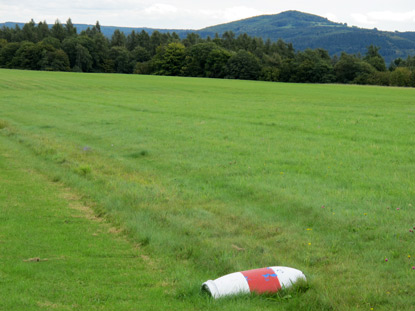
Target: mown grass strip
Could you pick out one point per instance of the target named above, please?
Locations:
(56, 254)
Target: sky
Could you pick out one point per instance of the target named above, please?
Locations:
(190, 14)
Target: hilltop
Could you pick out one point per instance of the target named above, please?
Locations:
(311, 31)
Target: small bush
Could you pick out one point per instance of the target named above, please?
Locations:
(139, 154)
(3, 124)
(56, 178)
(144, 241)
(83, 170)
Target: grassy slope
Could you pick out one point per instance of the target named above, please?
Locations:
(196, 170)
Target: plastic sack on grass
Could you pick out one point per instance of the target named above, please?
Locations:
(260, 281)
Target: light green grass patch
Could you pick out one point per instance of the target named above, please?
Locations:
(217, 176)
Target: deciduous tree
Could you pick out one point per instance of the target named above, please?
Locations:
(243, 65)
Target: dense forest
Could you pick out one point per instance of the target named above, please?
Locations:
(61, 48)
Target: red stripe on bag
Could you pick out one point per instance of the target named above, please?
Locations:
(263, 280)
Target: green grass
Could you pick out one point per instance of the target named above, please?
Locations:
(216, 176)
(56, 255)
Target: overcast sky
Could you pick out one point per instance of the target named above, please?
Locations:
(190, 14)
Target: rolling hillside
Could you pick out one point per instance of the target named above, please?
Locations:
(303, 30)
(311, 31)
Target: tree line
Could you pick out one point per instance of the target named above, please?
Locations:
(61, 48)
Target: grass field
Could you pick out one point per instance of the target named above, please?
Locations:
(207, 177)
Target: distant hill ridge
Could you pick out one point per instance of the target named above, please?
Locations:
(303, 30)
(311, 31)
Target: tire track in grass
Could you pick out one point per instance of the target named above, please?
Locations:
(55, 254)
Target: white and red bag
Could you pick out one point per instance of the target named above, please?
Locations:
(265, 280)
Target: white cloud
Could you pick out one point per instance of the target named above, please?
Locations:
(362, 19)
(177, 18)
(239, 12)
(230, 14)
(392, 16)
(161, 9)
(388, 19)
(333, 17)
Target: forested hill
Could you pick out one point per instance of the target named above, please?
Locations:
(302, 30)
(311, 31)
